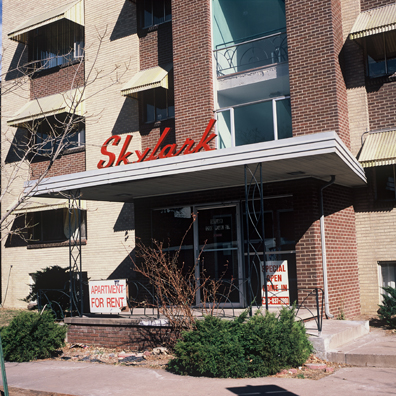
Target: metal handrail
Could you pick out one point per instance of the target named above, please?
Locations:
(250, 41)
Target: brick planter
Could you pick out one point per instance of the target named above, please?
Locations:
(117, 333)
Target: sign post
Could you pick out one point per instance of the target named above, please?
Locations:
(3, 370)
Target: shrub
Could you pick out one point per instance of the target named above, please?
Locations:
(387, 310)
(32, 336)
(259, 346)
(48, 282)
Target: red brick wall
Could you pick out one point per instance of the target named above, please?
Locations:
(155, 46)
(132, 337)
(341, 247)
(67, 163)
(56, 80)
(192, 58)
(368, 4)
(381, 100)
(317, 89)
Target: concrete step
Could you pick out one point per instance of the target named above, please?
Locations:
(375, 349)
(334, 334)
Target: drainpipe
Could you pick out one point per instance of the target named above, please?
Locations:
(323, 241)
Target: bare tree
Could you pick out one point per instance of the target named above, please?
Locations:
(60, 129)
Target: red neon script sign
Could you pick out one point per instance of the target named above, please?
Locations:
(168, 151)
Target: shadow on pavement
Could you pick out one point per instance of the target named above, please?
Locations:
(259, 390)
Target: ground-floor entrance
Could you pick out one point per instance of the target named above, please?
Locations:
(213, 238)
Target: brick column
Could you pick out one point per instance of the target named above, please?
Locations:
(317, 88)
(192, 62)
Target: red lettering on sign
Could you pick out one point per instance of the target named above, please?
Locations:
(206, 138)
(123, 157)
(116, 139)
(170, 150)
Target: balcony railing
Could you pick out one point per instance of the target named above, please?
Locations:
(251, 54)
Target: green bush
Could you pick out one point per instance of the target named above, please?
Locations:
(387, 310)
(32, 336)
(259, 346)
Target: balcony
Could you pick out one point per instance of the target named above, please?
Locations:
(251, 54)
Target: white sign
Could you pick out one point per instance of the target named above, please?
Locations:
(277, 283)
(107, 296)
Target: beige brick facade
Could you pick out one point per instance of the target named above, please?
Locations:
(109, 63)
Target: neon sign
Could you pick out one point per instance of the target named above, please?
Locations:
(168, 151)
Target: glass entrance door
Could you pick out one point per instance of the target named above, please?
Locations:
(218, 251)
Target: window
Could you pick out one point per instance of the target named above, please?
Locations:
(385, 183)
(45, 142)
(156, 12)
(51, 226)
(253, 123)
(158, 103)
(387, 275)
(381, 55)
(56, 44)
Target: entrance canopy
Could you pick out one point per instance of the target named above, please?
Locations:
(317, 155)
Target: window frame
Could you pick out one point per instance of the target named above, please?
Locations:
(151, 13)
(376, 186)
(43, 129)
(385, 59)
(41, 223)
(38, 44)
(232, 118)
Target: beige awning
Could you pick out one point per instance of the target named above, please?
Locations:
(379, 149)
(37, 204)
(147, 79)
(72, 11)
(66, 102)
(375, 21)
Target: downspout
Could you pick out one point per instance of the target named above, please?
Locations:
(323, 241)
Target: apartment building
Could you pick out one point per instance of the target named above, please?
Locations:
(267, 122)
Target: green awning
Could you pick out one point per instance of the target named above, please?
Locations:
(38, 204)
(147, 79)
(72, 11)
(66, 102)
(375, 21)
(379, 149)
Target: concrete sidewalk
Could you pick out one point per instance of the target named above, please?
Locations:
(93, 379)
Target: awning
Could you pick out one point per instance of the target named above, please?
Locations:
(379, 149)
(72, 11)
(317, 155)
(66, 102)
(375, 21)
(37, 204)
(147, 79)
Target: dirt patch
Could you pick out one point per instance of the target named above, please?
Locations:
(376, 324)
(305, 372)
(7, 314)
(158, 358)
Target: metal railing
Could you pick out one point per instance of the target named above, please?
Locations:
(251, 54)
(308, 306)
